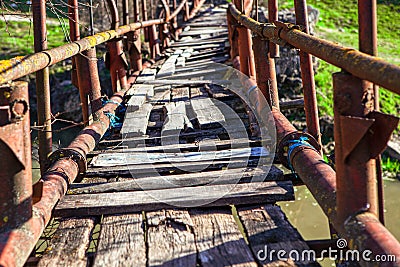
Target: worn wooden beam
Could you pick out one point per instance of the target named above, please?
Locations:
(170, 241)
(121, 241)
(267, 227)
(69, 243)
(154, 181)
(218, 239)
(215, 195)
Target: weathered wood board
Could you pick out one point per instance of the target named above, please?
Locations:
(218, 239)
(121, 241)
(213, 195)
(268, 226)
(122, 159)
(170, 239)
(69, 243)
(149, 182)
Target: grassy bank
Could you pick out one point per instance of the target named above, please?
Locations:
(17, 37)
(338, 22)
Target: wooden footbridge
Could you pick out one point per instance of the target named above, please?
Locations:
(184, 164)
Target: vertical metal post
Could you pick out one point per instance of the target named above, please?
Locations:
(42, 84)
(134, 42)
(187, 11)
(89, 81)
(74, 34)
(125, 12)
(15, 154)
(246, 55)
(265, 69)
(355, 170)
(91, 17)
(144, 18)
(367, 39)
(174, 23)
(233, 40)
(273, 16)
(116, 57)
(163, 28)
(307, 77)
(245, 44)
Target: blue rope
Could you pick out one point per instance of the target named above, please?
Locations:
(302, 141)
(104, 102)
(114, 120)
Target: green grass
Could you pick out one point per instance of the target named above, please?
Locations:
(17, 37)
(390, 165)
(338, 22)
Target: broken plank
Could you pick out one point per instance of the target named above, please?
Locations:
(153, 181)
(218, 239)
(201, 145)
(268, 226)
(122, 159)
(135, 123)
(69, 243)
(146, 75)
(168, 67)
(187, 82)
(121, 241)
(129, 170)
(214, 195)
(170, 240)
(140, 93)
(207, 113)
(176, 117)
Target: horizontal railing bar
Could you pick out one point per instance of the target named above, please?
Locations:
(21, 66)
(359, 64)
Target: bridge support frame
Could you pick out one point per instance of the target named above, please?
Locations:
(15, 154)
(42, 84)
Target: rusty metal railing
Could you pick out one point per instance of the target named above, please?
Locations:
(24, 214)
(351, 197)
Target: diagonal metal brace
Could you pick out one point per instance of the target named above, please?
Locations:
(376, 128)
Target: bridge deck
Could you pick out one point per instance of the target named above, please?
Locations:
(179, 184)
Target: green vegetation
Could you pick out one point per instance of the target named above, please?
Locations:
(17, 37)
(390, 165)
(338, 22)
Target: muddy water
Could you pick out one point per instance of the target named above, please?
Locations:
(306, 215)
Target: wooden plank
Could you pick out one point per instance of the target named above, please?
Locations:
(162, 168)
(140, 93)
(153, 181)
(69, 244)
(186, 82)
(200, 145)
(207, 113)
(215, 195)
(135, 123)
(170, 240)
(176, 117)
(218, 239)
(146, 75)
(268, 226)
(122, 159)
(188, 52)
(204, 24)
(168, 68)
(201, 32)
(121, 241)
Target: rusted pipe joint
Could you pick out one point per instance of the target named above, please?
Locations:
(304, 141)
(286, 27)
(17, 115)
(74, 155)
